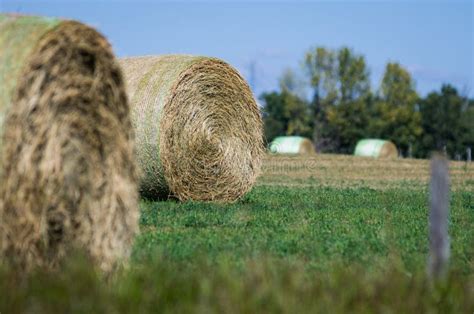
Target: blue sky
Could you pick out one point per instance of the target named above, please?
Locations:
(433, 39)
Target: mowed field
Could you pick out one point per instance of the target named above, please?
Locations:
(316, 234)
(342, 171)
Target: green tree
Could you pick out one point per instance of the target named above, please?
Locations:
(447, 121)
(350, 118)
(284, 112)
(320, 66)
(341, 89)
(348, 122)
(395, 114)
(274, 121)
(353, 76)
(292, 83)
(467, 123)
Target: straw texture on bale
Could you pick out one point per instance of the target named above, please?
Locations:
(68, 174)
(197, 125)
(292, 145)
(376, 148)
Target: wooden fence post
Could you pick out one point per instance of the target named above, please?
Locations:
(438, 217)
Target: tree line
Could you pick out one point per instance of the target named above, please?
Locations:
(343, 108)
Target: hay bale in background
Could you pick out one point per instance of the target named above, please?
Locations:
(198, 127)
(68, 174)
(376, 148)
(292, 145)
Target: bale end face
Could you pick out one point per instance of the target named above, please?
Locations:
(306, 147)
(388, 150)
(211, 140)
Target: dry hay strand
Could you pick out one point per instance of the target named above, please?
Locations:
(68, 175)
(198, 128)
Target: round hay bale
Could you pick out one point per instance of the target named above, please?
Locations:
(376, 148)
(292, 145)
(197, 125)
(68, 173)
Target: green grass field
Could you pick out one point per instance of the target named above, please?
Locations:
(284, 249)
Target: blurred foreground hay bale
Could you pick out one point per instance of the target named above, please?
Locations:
(68, 175)
(198, 127)
(376, 148)
(295, 145)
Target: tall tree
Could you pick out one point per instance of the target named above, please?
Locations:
(292, 83)
(350, 118)
(353, 76)
(467, 122)
(348, 123)
(274, 121)
(284, 112)
(320, 65)
(395, 114)
(447, 120)
(340, 80)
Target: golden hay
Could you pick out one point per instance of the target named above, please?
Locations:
(388, 150)
(307, 147)
(68, 174)
(198, 128)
